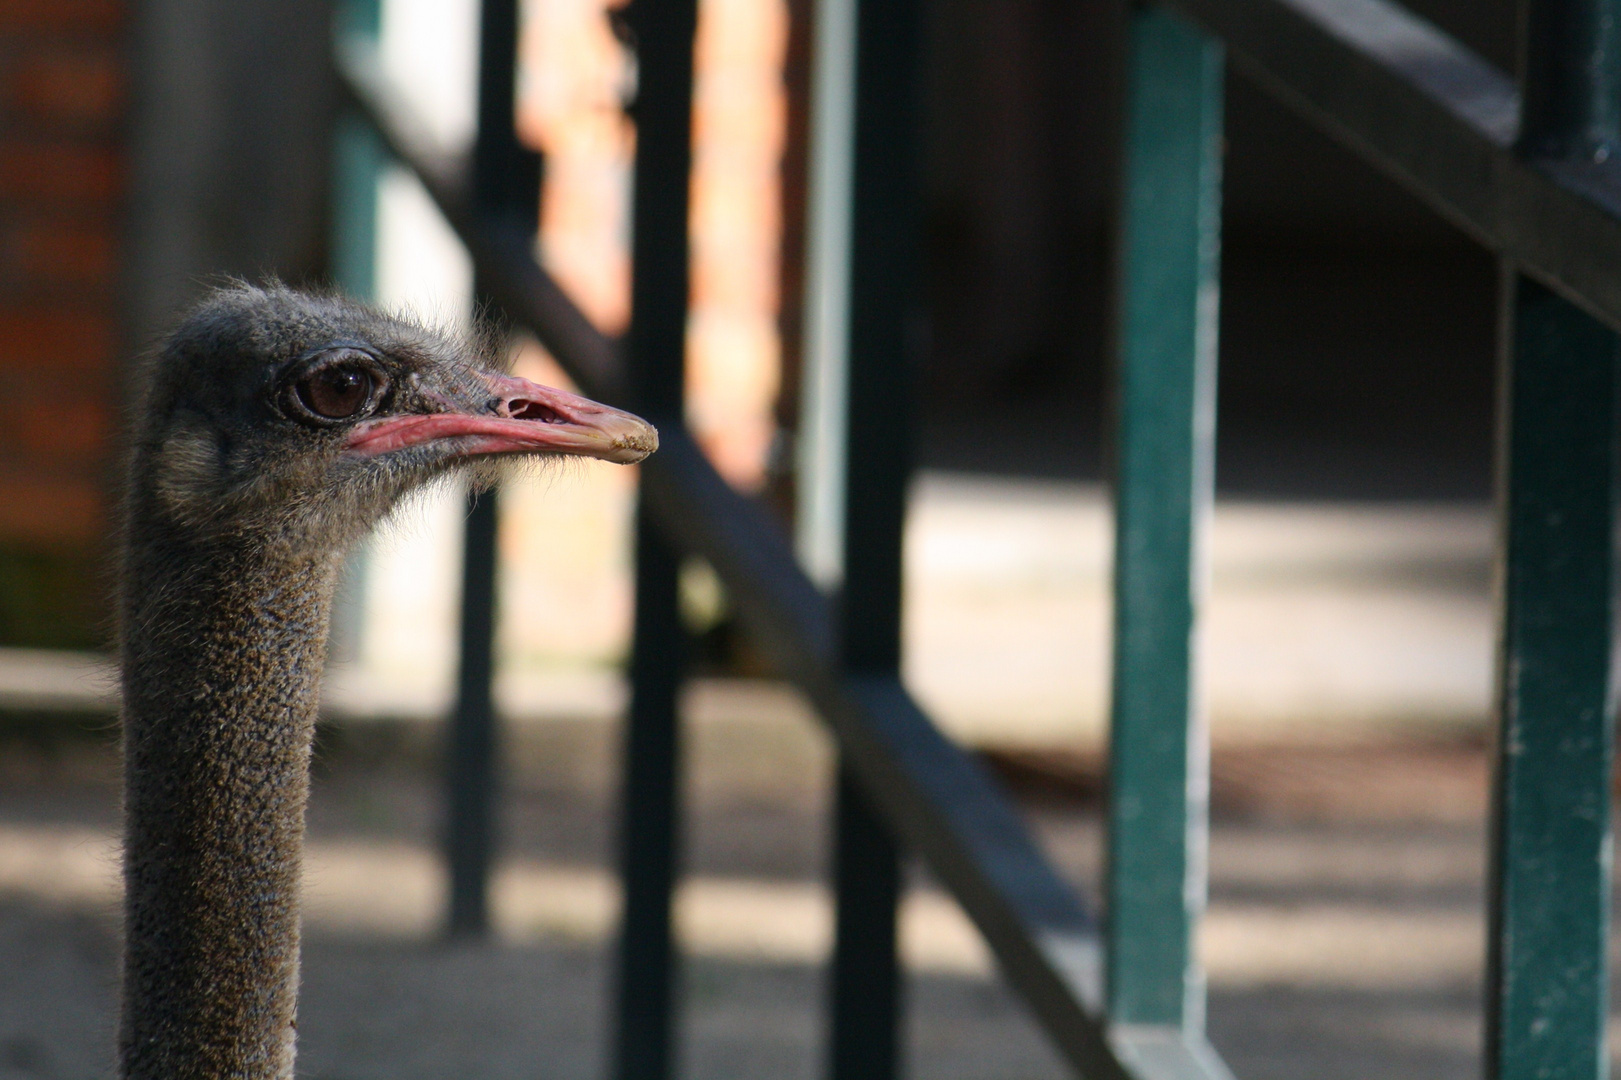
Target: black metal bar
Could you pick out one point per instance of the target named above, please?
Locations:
(504, 182)
(1441, 121)
(938, 801)
(650, 813)
(663, 32)
(506, 185)
(884, 319)
(865, 977)
(471, 775)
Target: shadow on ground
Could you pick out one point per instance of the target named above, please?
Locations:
(386, 1009)
(1343, 940)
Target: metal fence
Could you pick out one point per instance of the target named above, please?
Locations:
(1525, 168)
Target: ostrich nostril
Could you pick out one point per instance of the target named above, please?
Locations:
(534, 410)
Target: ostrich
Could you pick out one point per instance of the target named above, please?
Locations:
(273, 430)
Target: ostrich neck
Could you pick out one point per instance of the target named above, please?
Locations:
(222, 650)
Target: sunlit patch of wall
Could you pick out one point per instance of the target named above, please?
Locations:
(576, 78)
(738, 128)
(572, 81)
(565, 578)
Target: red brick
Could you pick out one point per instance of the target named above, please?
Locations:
(81, 15)
(60, 173)
(57, 381)
(56, 339)
(58, 251)
(79, 86)
(60, 509)
(56, 431)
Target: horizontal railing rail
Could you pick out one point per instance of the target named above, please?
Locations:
(1439, 119)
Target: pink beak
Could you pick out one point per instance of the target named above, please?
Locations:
(527, 419)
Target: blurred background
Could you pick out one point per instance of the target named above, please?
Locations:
(151, 146)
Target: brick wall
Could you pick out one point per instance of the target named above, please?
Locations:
(62, 97)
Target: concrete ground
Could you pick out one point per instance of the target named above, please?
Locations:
(1348, 666)
(1343, 939)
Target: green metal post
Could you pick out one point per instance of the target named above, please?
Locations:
(357, 163)
(1165, 423)
(358, 157)
(1551, 851)
(1558, 478)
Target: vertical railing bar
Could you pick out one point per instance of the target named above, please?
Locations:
(1547, 982)
(880, 306)
(471, 772)
(865, 976)
(820, 436)
(357, 162)
(1164, 454)
(505, 184)
(1559, 488)
(650, 816)
(663, 33)
(357, 165)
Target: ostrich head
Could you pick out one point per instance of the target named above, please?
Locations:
(271, 432)
(277, 415)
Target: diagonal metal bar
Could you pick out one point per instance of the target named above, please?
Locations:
(1441, 121)
(938, 799)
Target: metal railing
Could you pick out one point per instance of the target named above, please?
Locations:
(1535, 182)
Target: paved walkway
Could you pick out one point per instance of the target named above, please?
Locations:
(1343, 940)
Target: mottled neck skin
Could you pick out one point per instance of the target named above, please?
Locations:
(223, 645)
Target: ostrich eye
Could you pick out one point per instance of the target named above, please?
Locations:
(338, 392)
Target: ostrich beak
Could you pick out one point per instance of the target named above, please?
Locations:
(519, 417)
